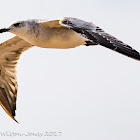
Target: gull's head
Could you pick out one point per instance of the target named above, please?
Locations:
(20, 27)
(15, 27)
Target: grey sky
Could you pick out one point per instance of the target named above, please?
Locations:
(85, 92)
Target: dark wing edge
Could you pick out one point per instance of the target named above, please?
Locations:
(10, 52)
(98, 36)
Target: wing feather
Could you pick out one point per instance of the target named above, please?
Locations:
(10, 52)
(98, 36)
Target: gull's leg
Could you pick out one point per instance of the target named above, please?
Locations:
(88, 43)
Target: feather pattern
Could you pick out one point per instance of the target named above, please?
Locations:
(98, 36)
(10, 52)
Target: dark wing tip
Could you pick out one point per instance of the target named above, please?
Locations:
(129, 52)
(8, 112)
(113, 43)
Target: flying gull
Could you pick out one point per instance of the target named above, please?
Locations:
(62, 34)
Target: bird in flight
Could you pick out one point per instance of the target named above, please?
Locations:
(60, 33)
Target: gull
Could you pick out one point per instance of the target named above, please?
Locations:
(61, 33)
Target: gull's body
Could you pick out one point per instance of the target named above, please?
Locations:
(56, 36)
(64, 33)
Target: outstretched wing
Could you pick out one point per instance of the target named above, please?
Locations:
(99, 36)
(10, 52)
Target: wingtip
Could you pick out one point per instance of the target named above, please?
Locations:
(15, 119)
(8, 113)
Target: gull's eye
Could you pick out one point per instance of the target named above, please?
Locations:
(16, 24)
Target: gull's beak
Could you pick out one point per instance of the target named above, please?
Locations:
(4, 30)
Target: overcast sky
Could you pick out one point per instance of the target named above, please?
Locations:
(85, 92)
